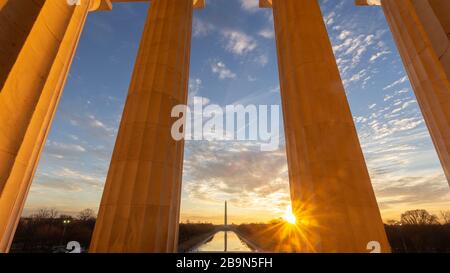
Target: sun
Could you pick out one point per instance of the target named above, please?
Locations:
(289, 216)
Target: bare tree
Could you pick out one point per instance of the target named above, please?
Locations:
(86, 214)
(53, 213)
(445, 216)
(45, 213)
(419, 217)
(65, 217)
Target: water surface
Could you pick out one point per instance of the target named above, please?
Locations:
(217, 243)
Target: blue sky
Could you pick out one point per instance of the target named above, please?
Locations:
(233, 61)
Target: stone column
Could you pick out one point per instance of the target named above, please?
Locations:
(332, 196)
(139, 211)
(425, 64)
(421, 34)
(13, 33)
(441, 9)
(31, 92)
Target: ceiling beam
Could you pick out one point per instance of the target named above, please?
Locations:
(198, 4)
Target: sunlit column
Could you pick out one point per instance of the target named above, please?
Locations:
(332, 196)
(139, 211)
(420, 30)
(43, 49)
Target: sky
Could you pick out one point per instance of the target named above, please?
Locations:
(233, 61)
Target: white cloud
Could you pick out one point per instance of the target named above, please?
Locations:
(67, 173)
(250, 5)
(95, 123)
(65, 179)
(201, 28)
(267, 33)
(397, 82)
(344, 34)
(262, 59)
(238, 42)
(351, 47)
(411, 191)
(222, 71)
(61, 148)
(237, 172)
(194, 86)
(378, 55)
(330, 18)
(356, 77)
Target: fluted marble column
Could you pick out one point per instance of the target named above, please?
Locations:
(139, 211)
(421, 31)
(31, 91)
(441, 9)
(331, 192)
(12, 33)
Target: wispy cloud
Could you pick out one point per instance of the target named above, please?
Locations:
(222, 71)
(92, 125)
(267, 33)
(397, 82)
(250, 5)
(237, 172)
(202, 28)
(239, 43)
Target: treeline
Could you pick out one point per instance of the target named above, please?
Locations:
(189, 231)
(420, 231)
(49, 231)
(190, 235)
(416, 231)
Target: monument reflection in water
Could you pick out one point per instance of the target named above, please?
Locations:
(217, 243)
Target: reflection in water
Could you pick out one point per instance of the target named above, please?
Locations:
(218, 243)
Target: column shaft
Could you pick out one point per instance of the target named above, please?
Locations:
(331, 192)
(430, 16)
(442, 9)
(29, 98)
(13, 33)
(425, 68)
(139, 211)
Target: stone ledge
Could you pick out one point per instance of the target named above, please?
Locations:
(265, 4)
